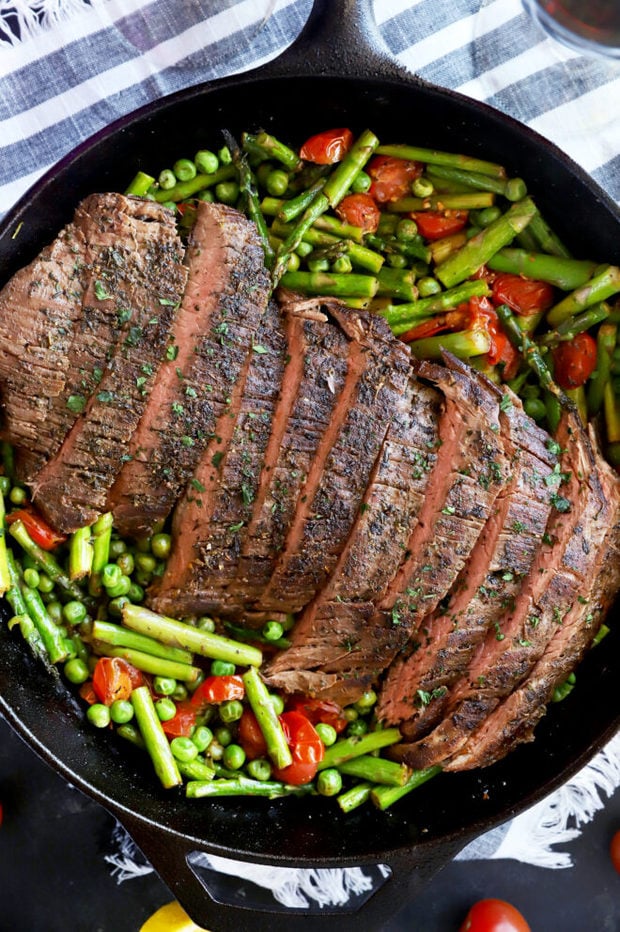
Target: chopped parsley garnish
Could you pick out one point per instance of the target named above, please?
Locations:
(76, 403)
(100, 292)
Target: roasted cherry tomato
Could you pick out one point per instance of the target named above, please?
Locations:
(526, 296)
(614, 850)
(115, 678)
(435, 224)
(391, 177)
(218, 689)
(574, 361)
(250, 736)
(87, 692)
(181, 724)
(360, 210)
(38, 528)
(306, 747)
(327, 147)
(318, 710)
(493, 915)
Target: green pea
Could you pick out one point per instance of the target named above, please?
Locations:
(145, 562)
(46, 584)
(227, 192)
(164, 685)
(396, 261)
(115, 606)
(122, 588)
(329, 782)
(223, 736)
(277, 702)
(234, 757)
(487, 215)
(165, 708)
(206, 624)
(160, 546)
(350, 713)
(117, 547)
(184, 169)
(366, 701)
(76, 671)
(121, 711)
(74, 612)
(224, 155)
(222, 668)
(17, 495)
(143, 545)
(422, 187)
(231, 710)
(54, 610)
(304, 249)
(358, 727)
(342, 265)
(5, 485)
(111, 575)
(180, 693)
(273, 631)
(263, 171)
(183, 748)
(132, 734)
(135, 593)
(31, 578)
(202, 737)
(206, 195)
(98, 715)
(259, 769)
(327, 733)
(70, 648)
(293, 262)
(361, 183)
(406, 230)
(318, 265)
(206, 161)
(277, 182)
(126, 563)
(536, 408)
(428, 286)
(516, 189)
(167, 179)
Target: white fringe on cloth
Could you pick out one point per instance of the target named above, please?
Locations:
(23, 19)
(530, 837)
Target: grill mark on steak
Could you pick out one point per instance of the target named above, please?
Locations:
(414, 693)
(70, 328)
(321, 638)
(560, 569)
(224, 301)
(377, 374)
(454, 511)
(514, 720)
(141, 284)
(312, 384)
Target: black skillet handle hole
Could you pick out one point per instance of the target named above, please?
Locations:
(305, 891)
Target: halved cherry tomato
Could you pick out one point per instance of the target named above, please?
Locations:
(218, 689)
(181, 724)
(115, 678)
(574, 361)
(435, 224)
(459, 319)
(318, 710)
(327, 147)
(250, 736)
(87, 692)
(38, 528)
(306, 747)
(391, 177)
(492, 915)
(614, 850)
(526, 296)
(359, 210)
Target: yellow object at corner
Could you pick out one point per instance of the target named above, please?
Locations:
(170, 918)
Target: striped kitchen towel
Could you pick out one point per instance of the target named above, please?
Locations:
(70, 67)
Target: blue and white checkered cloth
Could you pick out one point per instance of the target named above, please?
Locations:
(70, 67)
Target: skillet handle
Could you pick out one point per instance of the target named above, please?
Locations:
(340, 38)
(220, 903)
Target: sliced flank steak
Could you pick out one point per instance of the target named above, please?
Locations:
(414, 693)
(209, 345)
(560, 570)
(468, 471)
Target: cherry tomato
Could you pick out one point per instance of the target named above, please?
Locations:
(327, 147)
(435, 224)
(526, 296)
(115, 678)
(391, 177)
(574, 361)
(614, 850)
(181, 724)
(359, 210)
(219, 689)
(306, 747)
(493, 915)
(87, 692)
(459, 319)
(250, 736)
(319, 710)
(38, 528)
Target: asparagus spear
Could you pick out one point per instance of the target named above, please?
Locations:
(183, 190)
(479, 249)
(5, 576)
(267, 718)
(156, 666)
(435, 157)
(140, 184)
(360, 255)
(530, 351)
(397, 283)
(463, 344)
(468, 201)
(513, 189)
(384, 796)
(178, 634)
(356, 796)
(15, 599)
(101, 532)
(347, 748)
(272, 148)
(44, 559)
(401, 317)
(247, 187)
(243, 786)
(155, 738)
(335, 284)
(578, 323)
(601, 286)
(80, 554)
(606, 344)
(563, 272)
(376, 770)
(51, 635)
(611, 407)
(115, 636)
(545, 238)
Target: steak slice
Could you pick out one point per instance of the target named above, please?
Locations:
(371, 556)
(464, 481)
(209, 345)
(414, 693)
(514, 720)
(560, 570)
(139, 281)
(56, 326)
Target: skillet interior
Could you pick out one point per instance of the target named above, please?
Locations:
(450, 809)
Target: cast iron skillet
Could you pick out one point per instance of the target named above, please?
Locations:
(337, 73)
